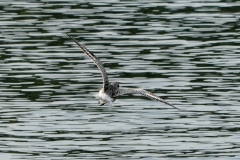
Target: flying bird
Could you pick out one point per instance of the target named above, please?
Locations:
(111, 91)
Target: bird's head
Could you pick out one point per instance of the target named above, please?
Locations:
(115, 85)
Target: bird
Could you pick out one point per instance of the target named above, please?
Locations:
(111, 91)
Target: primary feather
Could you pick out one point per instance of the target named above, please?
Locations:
(144, 93)
(96, 61)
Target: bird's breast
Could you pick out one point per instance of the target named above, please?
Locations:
(104, 96)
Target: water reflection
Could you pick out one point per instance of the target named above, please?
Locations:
(184, 51)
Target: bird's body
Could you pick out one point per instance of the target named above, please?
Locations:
(111, 91)
(108, 96)
(103, 98)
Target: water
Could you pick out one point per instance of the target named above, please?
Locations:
(187, 52)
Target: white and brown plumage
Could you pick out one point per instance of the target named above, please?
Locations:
(110, 91)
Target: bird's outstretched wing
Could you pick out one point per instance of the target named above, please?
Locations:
(144, 93)
(96, 61)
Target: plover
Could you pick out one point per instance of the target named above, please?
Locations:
(111, 91)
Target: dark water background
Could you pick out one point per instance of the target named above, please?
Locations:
(185, 51)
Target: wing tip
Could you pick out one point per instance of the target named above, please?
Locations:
(173, 106)
(68, 34)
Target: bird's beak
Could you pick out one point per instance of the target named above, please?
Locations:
(100, 104)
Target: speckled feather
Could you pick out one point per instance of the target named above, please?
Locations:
(142, 92)
(96, 61)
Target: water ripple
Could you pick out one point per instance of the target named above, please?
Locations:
(184, 51)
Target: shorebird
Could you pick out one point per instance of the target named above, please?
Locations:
(111, 91)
